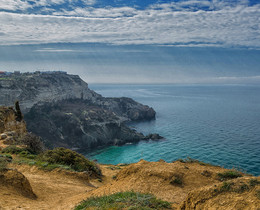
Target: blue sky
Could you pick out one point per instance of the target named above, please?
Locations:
(144, 41)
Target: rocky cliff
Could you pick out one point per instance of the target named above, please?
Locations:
(62, 110)
(33, 88)
(37, 88)
(77, 123)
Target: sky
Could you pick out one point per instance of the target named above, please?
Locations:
(134, 41)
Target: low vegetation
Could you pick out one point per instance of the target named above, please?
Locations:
(3, 164)
(32, 142)
(254, 182)
(229, 175)
(124, 200)
(51, 159)
(4, 160)
(258, 194)
(226, 186)
(191, 160)
(70, 158)
(13, 150)
(177, 180)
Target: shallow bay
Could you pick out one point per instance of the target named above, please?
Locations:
(216, 124)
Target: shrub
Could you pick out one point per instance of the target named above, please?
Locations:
(34, 143)
(13, 150)
(243, 188)
(124, 200)
(176, 181)
(3, 164)
(258, 194)
(191, 160)
(70, 158)
(226, 186)
(229, 175)
(254, 182)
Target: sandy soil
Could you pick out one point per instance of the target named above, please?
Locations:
(63, 190)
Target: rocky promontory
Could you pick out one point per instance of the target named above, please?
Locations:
(41, 87)
(62, 110)
(77, 123)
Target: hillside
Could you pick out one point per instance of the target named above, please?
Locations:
(59, 189)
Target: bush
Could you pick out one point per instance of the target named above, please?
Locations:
(226, 186)
(124, 200)
(254, 182)
(3, 164)
(229, 175)
(70, 158)
(13, 150)
(257, 194)
(177, 180)
(34, 143)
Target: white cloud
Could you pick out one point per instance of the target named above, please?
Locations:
(89, 2)
(233, 25)
(14, 5)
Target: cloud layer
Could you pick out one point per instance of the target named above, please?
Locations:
(183, 23)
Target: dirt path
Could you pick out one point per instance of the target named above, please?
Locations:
(53, 189)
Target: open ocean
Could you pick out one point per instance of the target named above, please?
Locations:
(216, 124)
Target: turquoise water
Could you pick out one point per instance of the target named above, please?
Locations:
(214, 124)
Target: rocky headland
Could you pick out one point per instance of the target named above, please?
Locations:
(62, 110)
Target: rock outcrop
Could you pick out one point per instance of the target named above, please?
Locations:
(62, 110)
(36, 88)
(33, 88)
(10, 127)
(77, 123)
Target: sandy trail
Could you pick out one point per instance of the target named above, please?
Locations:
(53, 189)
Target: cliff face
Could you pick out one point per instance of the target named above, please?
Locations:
(33, 88)
(78, 123)
(38, 88)
(10, 127)
(62, 110)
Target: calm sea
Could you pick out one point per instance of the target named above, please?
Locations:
(215, 124)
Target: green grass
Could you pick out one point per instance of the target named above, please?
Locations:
(229, 175)
(40, 164)
(13, 150)
(124, 200)
(52, 159)
(67, 157)
(226, 186)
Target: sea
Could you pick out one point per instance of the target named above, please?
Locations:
(216, 124)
